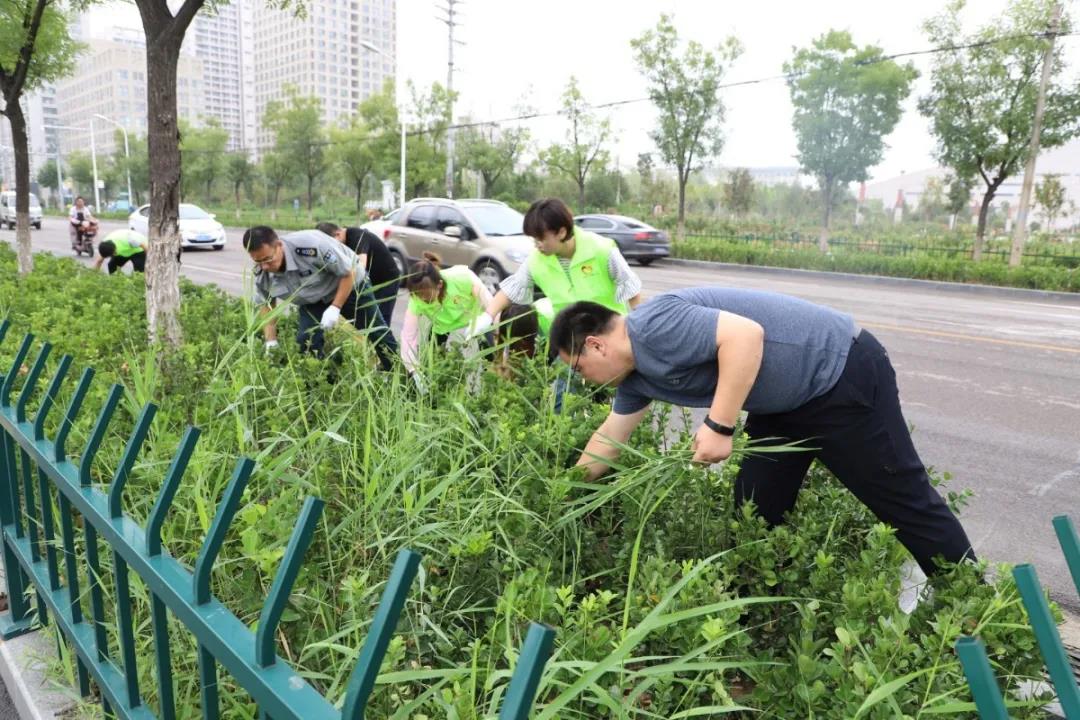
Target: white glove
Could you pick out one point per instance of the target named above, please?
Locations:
(330, 317)
(421, 386)
(270, 345)
(481, 325)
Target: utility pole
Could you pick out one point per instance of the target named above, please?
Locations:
(1020, 229)
(451, 23)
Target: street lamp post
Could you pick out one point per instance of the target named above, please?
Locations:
(127, 155)
(370, 47)
(93, 162)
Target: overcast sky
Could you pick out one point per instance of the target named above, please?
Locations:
(519, 51)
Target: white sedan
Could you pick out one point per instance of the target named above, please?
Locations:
(198, 228)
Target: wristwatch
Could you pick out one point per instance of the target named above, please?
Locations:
(718, 428)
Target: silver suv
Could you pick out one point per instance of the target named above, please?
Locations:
(485, 235)
(7, 209)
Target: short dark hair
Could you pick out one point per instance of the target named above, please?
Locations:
(578, 321)
(80, 197)
(107, 248)
(327, 227)
(258, 236)
(548, 215)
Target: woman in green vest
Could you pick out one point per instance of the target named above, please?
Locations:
(121, 247)
(448, 302)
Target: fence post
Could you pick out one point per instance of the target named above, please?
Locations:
(526, 678)
(1046, 632)
(1070, 546)
(980, 679)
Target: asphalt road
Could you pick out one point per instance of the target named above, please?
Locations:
(991, 384)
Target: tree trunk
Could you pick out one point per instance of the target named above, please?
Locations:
(22, 186)
(163, 255)
(680, 228)
(359, 193)
(310, 185)
(581, 195)
(236, 191)
(826, 197)
(952, 221)
(980, 232)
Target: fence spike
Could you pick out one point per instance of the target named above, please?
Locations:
(98, 434)
(50, 397)
(980, 679)
(530, 667)
(4, 325)
(1046, 632)
(131, 451)
(31, 381)
(168, 490)
(362, 680)
(59, 445)
(284, 579)
(212, 544)
(1070, 546)
(16, 365)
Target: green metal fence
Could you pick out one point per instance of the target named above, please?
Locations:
(33, 468)
(972, 652)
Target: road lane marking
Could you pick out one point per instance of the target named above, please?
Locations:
(976, 338)
(203, 268)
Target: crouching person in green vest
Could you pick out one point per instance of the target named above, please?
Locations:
(448, 303)
(569, 264)
(121, 247)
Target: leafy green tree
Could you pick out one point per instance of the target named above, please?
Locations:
(739, 191)
(491, 151)
(81, 170)
(1050, 196)
(239, 171)
(299, 135)
(276, 170)
(957, 197)
(354, 154)
(202, 152)
(46, 178)
(686, 92)
(584, 146)
(426, 140)
(982, 99)
(35, 48)
(847, 100)
(932, 199)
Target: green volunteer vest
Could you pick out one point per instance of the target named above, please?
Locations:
(545, 315)
(457, 308)
(587, 278)
(124, 249)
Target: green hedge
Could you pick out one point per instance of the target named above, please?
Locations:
(668, 601)
(988, 272)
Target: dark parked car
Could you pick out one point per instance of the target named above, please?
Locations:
(637, 240)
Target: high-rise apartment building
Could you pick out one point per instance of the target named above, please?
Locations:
(322, 55)
(224, 42)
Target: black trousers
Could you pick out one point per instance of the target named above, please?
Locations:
(858, 432)
(386, 297)
(362, 310)
(138, 262)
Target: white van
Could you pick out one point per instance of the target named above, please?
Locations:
(7, 210)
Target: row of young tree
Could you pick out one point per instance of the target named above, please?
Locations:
(847, 99)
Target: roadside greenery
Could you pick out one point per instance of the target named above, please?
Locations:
(668, 601)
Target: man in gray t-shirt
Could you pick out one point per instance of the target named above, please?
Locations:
(804, 373)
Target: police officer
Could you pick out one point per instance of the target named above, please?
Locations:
(323, 278)
(121, 247)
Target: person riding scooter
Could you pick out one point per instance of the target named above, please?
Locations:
(83, 227)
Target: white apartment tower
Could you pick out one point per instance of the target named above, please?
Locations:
(224, 41)
(321, 55)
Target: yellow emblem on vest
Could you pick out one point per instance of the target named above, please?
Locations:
(586, 269)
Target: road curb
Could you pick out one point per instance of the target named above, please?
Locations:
(855, 278)
(23, 665)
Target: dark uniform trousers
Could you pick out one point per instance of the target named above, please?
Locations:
(362, 310)
(858, 432)
(138, 262)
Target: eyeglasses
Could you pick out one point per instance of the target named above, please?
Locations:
(577, 360)
(267, 260)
